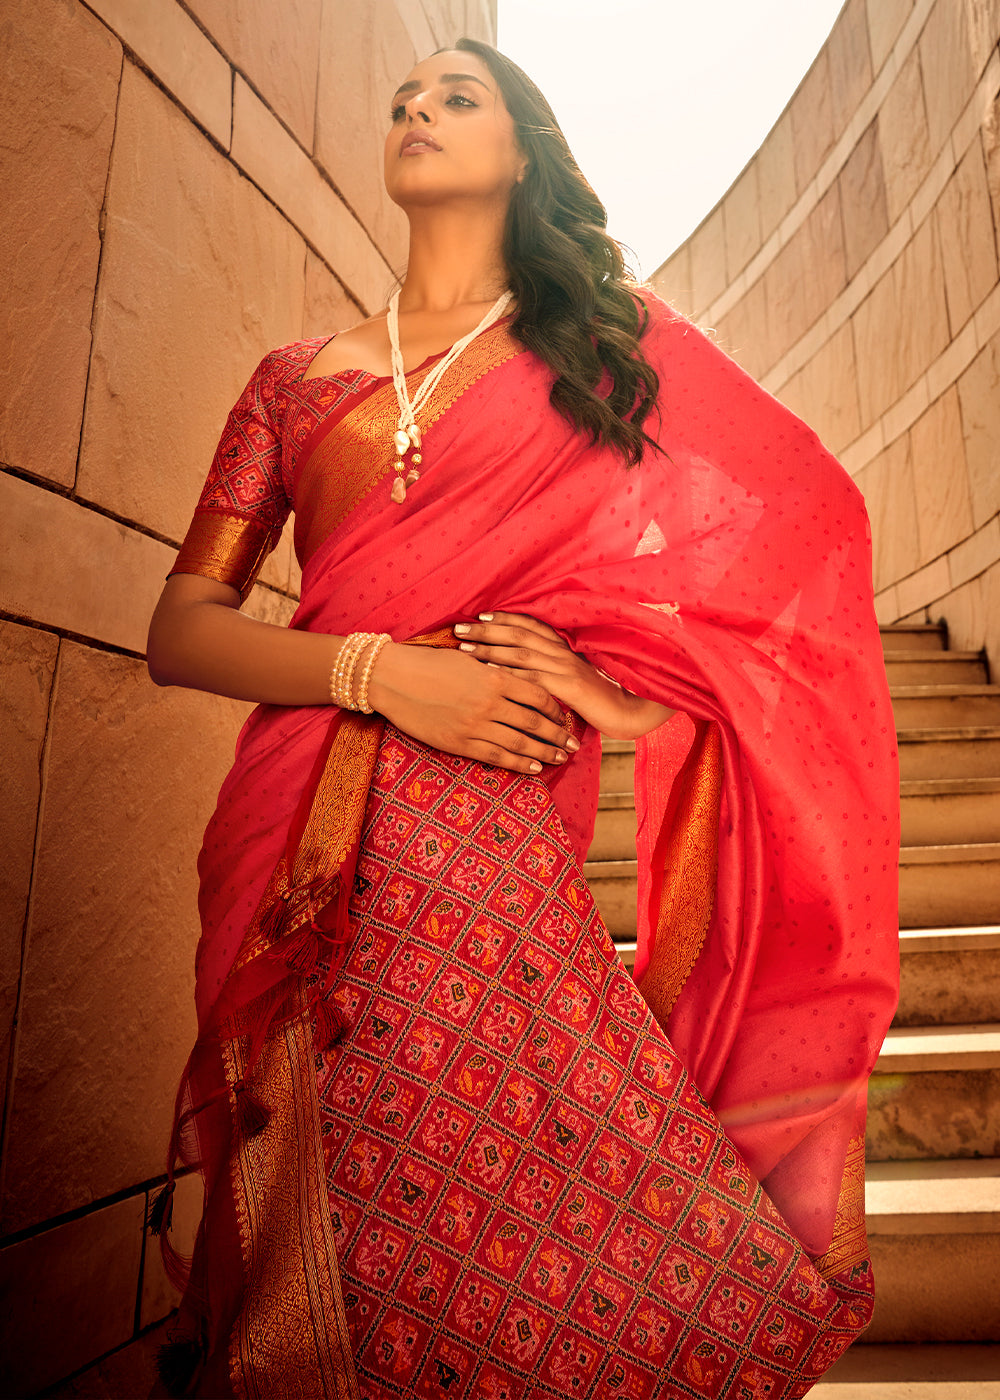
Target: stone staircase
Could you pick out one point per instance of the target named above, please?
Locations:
(933, 1196)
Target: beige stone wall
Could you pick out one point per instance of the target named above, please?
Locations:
(852, 268)
(185, 186)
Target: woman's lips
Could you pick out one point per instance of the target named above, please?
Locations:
(418, 142)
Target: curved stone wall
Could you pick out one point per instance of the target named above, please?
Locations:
(852, 268)
(186, 185)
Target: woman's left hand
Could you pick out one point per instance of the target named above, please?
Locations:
(535, 652)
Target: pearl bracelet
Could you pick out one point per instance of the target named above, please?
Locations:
(346, 665)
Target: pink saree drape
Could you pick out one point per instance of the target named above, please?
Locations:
(727, 577)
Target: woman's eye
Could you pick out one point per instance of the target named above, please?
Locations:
(459, 99)
(396, 112)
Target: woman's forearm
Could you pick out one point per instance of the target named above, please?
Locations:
(199, 639)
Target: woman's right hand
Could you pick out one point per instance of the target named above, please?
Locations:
(453, 703)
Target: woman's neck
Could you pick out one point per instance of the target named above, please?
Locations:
(454, 259)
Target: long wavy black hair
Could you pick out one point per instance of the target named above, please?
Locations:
(577, 307)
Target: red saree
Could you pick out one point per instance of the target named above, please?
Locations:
(449, 1148)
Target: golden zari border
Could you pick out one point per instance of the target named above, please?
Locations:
(359, 451)
(688, 856)
(291, 1337)
(228, 548)
(850, 1238)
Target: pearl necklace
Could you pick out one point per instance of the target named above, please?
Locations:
(407, 434)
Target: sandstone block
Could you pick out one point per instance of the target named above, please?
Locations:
(741, 214)
(924, 589)
(107, 1016)
(946, 65)
(172, 46)
(61, 70)
(983, 20)
(808, 273)
(69, 1295)
(862, 195)
(264, 150)
(975, 555)
(907, 153)
(200, 277)
(417, 23)
(902, 326)
(776, 175)
(708, 261)
(887, 483)
(744, 332)
(968, 242)
(27, 665)
(328, 308)
(885, 19)
(100, 579)
(365, 53)
(990, 133)
(825, 391)
(672, 280)
(973, 613)
(276, 50)
(979, 396)
(850, 63)
(944, 513)
(812, 120)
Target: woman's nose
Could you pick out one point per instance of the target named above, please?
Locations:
(418, 107)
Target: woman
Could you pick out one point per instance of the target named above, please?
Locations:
(449, 1148)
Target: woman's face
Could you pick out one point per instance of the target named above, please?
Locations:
(451, 136)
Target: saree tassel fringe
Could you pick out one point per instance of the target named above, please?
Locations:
(176, 1364)
(301, 952)
(331, 1024)
(251, 1114)
(161, 1211)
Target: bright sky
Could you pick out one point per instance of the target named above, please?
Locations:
(664, 101)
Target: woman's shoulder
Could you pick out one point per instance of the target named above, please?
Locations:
(291, 360)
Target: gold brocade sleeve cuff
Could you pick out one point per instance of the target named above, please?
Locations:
(230, 548)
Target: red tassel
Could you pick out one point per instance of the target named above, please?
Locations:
(301, 951)
(161, 1212)
(331, 1024)
(274, 920)
(251, 1114)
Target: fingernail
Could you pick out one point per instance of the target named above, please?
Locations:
(461, 628)
(560, 756)
(572, 744)
(485, 617)
(466, 646)
(534, 767)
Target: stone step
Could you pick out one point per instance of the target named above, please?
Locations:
(949, 1371)
(614, 829)
(618, 766)
(949, 976)
(942, 811)
(934, 1231)
(935, 811)
(936, 668)
(925, 751)
(946, 705)
(961, 751)
(915, 636)
(949, 884)
(936, 1093)
(938, 886)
